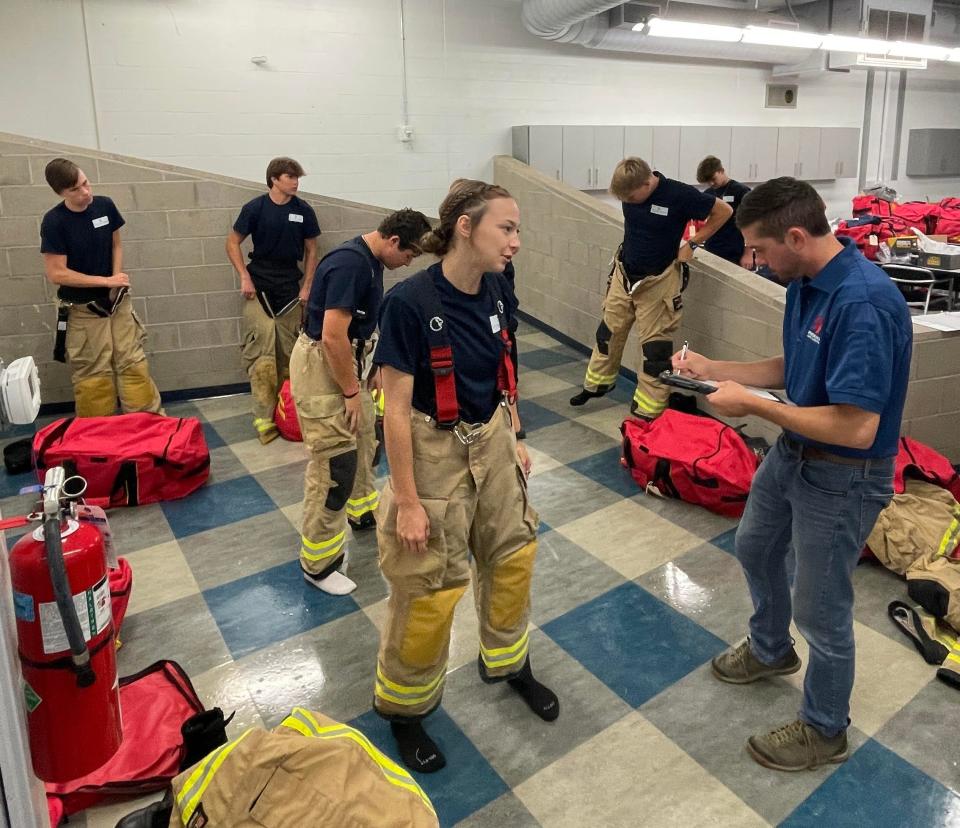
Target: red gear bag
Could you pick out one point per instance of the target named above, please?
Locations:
(127, 459)
(696, 459)
(155, 702)
(285, 415)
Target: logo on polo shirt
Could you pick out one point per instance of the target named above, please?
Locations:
(814, 333)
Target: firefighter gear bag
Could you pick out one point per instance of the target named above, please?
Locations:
(285, 415)
(696, 459)
(127, 459)
(919, 461)
(309, 770)
(157, 702)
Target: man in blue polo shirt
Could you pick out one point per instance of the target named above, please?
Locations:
(847, 339)
(330, 366)
(646, 282)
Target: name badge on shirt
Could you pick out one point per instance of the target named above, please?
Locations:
(657, 210)
(100, 222)
(730, 199)
(295, 217)
(495, 323)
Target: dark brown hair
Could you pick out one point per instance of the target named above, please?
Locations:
(281, 166)
(61, 174)
(466, 198)
(408, 225)
(781, 203)
(708, 168)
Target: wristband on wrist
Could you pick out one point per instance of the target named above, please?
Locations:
(351, 396)
(520, 434)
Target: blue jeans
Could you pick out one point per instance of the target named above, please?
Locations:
(822, 511)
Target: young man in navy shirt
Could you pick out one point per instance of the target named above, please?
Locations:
(98, 333)
(847, 339)
(330, 377)
(646, 281)
(727, 242)
(284, 230)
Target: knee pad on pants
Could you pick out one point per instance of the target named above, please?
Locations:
(95, 397)
(343, 471)
(510, 590)
(137, 391)
(656, 357)
(427, 628)
(603, 338)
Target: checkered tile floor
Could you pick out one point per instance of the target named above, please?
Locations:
(632, 597)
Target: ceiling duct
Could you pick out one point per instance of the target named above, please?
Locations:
(618, 26)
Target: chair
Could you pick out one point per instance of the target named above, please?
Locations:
(917, 286)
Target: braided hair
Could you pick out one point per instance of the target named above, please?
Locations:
(466, 198)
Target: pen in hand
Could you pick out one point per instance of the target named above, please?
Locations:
(683, 354)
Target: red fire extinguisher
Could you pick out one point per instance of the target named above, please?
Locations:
(65, 631)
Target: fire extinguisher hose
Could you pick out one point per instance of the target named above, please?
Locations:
(79, 653)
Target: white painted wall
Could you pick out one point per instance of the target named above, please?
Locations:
(173, 82)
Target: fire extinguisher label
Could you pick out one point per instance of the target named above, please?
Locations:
(30, 698)
(93, 610)
(23, 607)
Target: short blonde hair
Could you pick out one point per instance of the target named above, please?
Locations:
(628, 175)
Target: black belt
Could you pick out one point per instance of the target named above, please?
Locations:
(808, 452)
(100, 307)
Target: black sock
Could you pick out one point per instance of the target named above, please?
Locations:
(418, 751)
(541, 700)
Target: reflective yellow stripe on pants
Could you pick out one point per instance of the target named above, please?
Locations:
(506, 656)
(358, 507)
(598, 379)
(198, 781)
(304, 722)
(407, 695)
(647, 406)
(321, 550)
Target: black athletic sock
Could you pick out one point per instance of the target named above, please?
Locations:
(418, 751)
(541, 700)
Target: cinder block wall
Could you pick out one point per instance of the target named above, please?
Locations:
(569, 239)
(183, 287)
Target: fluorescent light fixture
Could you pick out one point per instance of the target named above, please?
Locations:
(918, 50)
(954, 55)
(769, 36)
(658, 27)
(859, 45)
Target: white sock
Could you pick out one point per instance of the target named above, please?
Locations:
(334, 584)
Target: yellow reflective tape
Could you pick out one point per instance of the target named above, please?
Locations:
(505, 656)
(260, 424)
(506, 650)
(646, 404)
(322, 550)
(358, 501)
(953, 657)
(208, 770)
(400, 688)
(600, 379)
(361, 505)
(949, 541)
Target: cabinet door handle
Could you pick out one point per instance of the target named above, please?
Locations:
(589, 176)
(801, 169)
(558, 175)
(596, 176)
(841, 170)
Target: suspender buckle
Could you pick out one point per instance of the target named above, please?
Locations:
(467, 433)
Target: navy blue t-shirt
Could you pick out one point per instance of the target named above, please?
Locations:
(847, 339)
(477, 348)
(652, 231)
(348, 277)
(278, 230)
(86, 239)
(727, 242)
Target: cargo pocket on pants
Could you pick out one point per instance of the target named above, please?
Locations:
(415, 570)
(249, 349)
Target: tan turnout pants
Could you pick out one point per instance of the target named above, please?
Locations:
(475, 497)
(654, 306)
(267, 345)
(364, 498)
(106, 359)
(332, 467)
(307, 771)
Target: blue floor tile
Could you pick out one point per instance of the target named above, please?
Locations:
(876, 787)
(271, 606)
(464, 786)
(726, 540)
(10, 484)
(633, 642)
(605, 468)
(214, 440)
(535, 416)
(540, 358)
(217, 504)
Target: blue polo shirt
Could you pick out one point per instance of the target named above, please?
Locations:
(847, 339)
